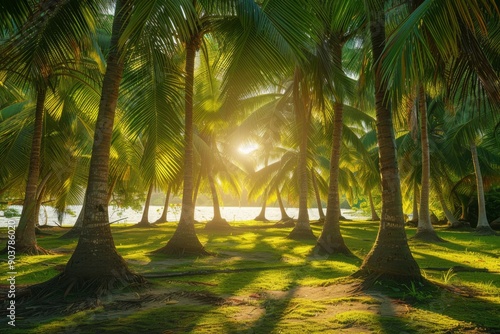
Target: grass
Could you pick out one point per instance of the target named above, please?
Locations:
(278, 287)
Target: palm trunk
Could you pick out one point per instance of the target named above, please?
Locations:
(483, 227)
(39, 206)
(26, 230)
(331, 240)
(452, 221)
(215, 197)
(302, 229)
(217, 222)
(78, 226)
(425, 231)
(196, 189)
(185, 240)
(261, 217)
(390, 257)
(95, 261)
(414, 218)
(464, 214)
(318, 198)
(284, 216)
(145, 213)
(163, 217)
(374, 213)
(42, 187)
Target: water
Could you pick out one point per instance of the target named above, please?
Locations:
(202, 213)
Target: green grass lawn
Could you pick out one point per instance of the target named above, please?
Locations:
(258, 281)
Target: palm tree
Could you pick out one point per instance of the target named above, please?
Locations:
(95, 262)
(302, 106)
(184, 240)
(425, 231)
(468, 131)
(390, 257)
(338, 29)
(34, 54)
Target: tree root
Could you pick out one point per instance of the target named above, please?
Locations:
(427, 236)
(370, 278)
(484, 231)
(324, 247)
(181, 250)
(67, 293)
(261, 218)
(300, 234)
(218, 225)
(29, 250)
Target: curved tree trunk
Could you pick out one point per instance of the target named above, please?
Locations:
(163, 217)
(302, 229)
(261, 217)
(390, 257)
(416, 195)
(483, 227)
(38, 207)
(318, 197)
(374, 213)
(78, 226)
(145, 213)
(464, 212)
(331, 240)
(95, 264)
(26, 230)
(452, 221)
(425, 230)
(184, 239)
(284, 216)
(217, 223)
(196, 189)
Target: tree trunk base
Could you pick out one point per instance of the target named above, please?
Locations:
(28, 250)
(66, 283)
(459, 225)
(144, 225)
(300, 233)
(484, 231)
(371, 277)
(376, 219)
(184, 242)
(261, 218)
(218, 225)
(159, 221)
(427, 236)
(330, 247)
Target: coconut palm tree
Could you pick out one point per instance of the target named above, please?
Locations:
(390, 256)
(36, 55)
(469, 131)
